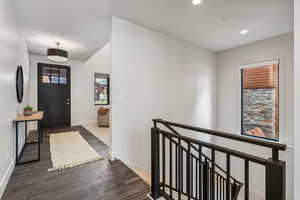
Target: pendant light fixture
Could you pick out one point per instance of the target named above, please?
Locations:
(57, 54)
(196, 2)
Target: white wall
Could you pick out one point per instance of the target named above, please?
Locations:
(83, 110)
(228, 100)
(297, 99)
(156, 76)
(13, 52)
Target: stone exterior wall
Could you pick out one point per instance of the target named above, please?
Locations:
(259, 110)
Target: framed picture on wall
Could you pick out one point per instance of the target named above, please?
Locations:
(101, 89)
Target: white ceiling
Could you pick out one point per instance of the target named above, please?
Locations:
(83, 26)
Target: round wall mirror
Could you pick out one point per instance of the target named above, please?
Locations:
(20, 84)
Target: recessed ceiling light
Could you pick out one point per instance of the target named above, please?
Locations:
(224, 18)
(196, 2)
(244, 31)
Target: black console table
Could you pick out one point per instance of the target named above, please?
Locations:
(38, 117)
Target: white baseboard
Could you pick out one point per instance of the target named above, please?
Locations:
(149, 197)
(82, 123)
(140, 171)
(161, 198)
(6, 177)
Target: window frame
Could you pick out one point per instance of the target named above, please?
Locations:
(107, 77)
(260, 63)
(58, 75)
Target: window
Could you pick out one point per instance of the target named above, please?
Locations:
(101, 87)
(54, 75)
(260, 101)
(46, 74)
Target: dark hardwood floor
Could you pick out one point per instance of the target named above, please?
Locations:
(100, 180)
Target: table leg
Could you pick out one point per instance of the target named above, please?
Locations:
(39, 137)
(18, 157)
(17, 130)
(26, 133)
(41, 131)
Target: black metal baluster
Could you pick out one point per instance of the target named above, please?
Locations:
(179, 170)
(176, 166)
(275, 154)
(275, 180)
(154, 164)
(233, 190)
(188, 172)
(246, 179)
(221, 188)
(217, 193)
(164, 162)
(192, 174)
(196, 171)
(223, 180)
(213, 174)
(171, 167)
(228, 177)
(200, 172)
(210, 182)
(205, 180)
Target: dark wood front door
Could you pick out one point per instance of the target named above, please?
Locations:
(54, 83)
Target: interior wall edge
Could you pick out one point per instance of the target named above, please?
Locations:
(6, 177)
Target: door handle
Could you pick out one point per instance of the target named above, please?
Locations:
(68, 101)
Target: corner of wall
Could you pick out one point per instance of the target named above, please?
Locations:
(5, 178)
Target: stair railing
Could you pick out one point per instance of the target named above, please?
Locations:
(195, 148)
(184, 171)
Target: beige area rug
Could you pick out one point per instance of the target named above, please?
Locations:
(69, 149)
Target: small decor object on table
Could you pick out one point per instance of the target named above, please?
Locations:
(28, 111)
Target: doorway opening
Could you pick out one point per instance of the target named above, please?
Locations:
(101, 127)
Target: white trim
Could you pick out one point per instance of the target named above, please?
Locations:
(160, 198)
(263, 62)
(290, 149)
(148, 195)
(140, 171)
(112, 159)
(6, 177)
